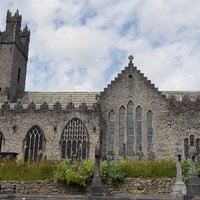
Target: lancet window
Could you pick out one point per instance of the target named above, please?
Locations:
(75, 141)
(1, 140)
(138, 128)
(198, 146)
(34, 144)
(186, 147)
(111, 132)
(130, 129)
(122, 130)
(149, 131)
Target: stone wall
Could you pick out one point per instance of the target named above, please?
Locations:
(15, 125)
(130, 186)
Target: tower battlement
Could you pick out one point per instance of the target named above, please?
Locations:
(14, 46)
(16, 18)
(14, 33)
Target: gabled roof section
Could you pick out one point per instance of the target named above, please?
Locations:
(129, 71)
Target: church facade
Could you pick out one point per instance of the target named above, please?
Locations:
(130, 118)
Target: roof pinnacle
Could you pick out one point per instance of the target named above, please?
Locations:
(130, 60)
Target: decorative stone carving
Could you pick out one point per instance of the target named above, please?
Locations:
(31, 106)
(44, 106)
(70, 107)
(96, 106)
(83, 107)
(5, 106)
(18, 106)
(57, 106)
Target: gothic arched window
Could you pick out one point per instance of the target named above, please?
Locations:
(138, 128)
(121, 130)
(186, 147)
(149, 131)
(1, 140)
(130, 129)
(74, 140)
(198, 146)
(192, 140)
(34, 144)
(111, 132)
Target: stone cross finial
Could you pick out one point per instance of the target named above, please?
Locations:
(130, 58)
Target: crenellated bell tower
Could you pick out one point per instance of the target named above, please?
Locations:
(14, 46)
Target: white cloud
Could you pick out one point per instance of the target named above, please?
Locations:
(72, 42)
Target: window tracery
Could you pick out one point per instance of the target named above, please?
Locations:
(34, 144)
(74, 140)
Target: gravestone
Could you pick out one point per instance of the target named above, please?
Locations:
(179, 188)
(193, 186)
(96, 181)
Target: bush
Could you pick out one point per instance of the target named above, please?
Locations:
(113, 171)
(186, 170)
(78, 173)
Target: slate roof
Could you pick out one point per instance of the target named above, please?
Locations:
(77, 98)
(180, 94)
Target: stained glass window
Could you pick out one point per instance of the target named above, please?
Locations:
(111, 132)
(149, 131)
(121, 130)
(138, 128)
(130, 129)
(74, 140)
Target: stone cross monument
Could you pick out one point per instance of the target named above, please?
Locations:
(96, 181)
(179, 188)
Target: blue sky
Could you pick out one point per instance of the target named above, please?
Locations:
(81, 45)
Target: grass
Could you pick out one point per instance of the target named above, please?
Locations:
(150, 169)
(47, 170)
(34, 171)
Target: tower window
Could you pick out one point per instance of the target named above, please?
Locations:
(18, 75)
(0, 89)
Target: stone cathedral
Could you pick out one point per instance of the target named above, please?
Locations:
(130, 117)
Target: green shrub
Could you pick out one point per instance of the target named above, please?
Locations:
(186, 170)
(78, 173)
(113, 171)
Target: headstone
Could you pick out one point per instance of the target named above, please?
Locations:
(96, 181)
(179, 188)
(193, 186)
